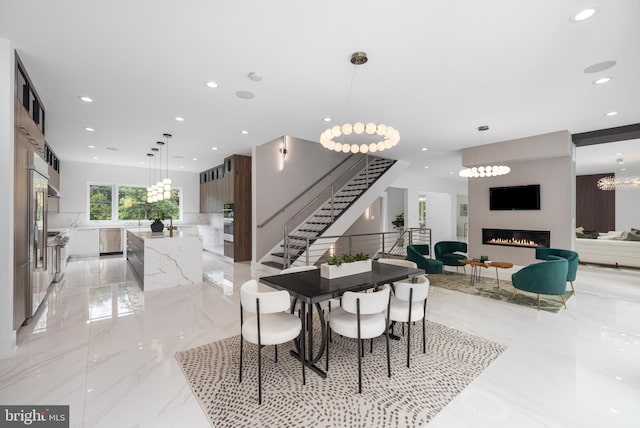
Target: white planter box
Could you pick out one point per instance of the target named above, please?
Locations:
(332, 271)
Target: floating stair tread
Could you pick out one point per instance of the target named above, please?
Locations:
(276, 265)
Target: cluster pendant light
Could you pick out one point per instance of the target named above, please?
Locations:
(159, 190)
(330, 137)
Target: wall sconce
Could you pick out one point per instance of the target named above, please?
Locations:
(283, 153)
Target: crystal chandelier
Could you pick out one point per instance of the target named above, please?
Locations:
(613, 182)
(390, 136)
(480, 171)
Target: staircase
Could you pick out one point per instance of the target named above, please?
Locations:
(339, 202)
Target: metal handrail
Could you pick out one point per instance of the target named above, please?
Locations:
(288, 204)
(374, 243)
(330, 187)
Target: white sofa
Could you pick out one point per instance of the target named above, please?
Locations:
(609, 252)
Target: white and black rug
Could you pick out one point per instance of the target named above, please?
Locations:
(411, 397)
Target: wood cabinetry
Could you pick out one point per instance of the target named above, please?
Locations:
(230, 183)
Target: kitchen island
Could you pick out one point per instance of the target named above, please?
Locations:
(161, 261)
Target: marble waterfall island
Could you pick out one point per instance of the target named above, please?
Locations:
(161, 261)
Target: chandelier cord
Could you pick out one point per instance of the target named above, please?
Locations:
(346, 106)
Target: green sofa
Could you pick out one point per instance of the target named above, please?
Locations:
(548, 277)
(571, 256)
(445, 252)
(418, 254)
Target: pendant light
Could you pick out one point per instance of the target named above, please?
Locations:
(154, 185)
(167, 181)
(159, 183)
(150, 186)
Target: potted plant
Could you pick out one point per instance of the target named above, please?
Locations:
(157, 225)
(398, 224)
(347, 264)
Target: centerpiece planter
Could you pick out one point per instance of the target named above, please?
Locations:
(157, 225)
(344, 269)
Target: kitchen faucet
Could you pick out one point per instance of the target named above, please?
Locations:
(170, 225)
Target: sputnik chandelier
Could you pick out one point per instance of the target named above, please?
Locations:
(481, 171)
(613, 182)
(390, 136)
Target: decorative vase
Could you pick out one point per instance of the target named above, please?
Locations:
(157, 226)
(332, 271)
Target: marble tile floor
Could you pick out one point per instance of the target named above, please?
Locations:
(107, 349)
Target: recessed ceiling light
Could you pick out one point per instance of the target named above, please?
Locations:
(424, 149)
(94, 157)
(602, 80)
(86, 99)
(611, 113)
(113, 149)
(214, 148)
(180, 118)
(583, 15)
(140, 163)
(91, 146)
(195, 158)
(618, 154)
(426, 167)
(244, 132)
(327, 119)
(211, 84)
(450, 172)
(182, 166)
(623, 169)
(89, 129)
(178, 157)
(255, 76)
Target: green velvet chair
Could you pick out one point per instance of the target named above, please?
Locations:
(445, 253)
(571, 256)
(547, 277)
(418, 254)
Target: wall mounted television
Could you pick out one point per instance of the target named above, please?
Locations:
(514, 198)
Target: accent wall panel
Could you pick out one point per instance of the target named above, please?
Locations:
(595, 208)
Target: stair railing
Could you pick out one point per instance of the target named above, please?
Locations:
(383, 244)
(326, 195)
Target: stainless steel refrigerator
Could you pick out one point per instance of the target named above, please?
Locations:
(38, 262)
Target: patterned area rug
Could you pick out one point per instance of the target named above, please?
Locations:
(411, 397)
(488, 287)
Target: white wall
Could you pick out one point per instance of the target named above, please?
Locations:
(7, 77)
(546, 160)
(76, 176)
(416, 185)
(396, 204)
(628, 205)
(440, 218)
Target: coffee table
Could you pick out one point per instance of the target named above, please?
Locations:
(476, 265)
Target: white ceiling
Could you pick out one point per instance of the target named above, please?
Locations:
(436, 71)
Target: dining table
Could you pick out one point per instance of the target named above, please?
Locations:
(310, 289)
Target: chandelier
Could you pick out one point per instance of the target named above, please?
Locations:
(613, 182)
(390, 136)
(480, 171)
(159, 190)
(166, 182)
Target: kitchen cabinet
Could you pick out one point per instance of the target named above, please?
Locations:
(83, 242)
(230, 183)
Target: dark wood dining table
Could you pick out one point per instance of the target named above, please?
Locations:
(311, 289)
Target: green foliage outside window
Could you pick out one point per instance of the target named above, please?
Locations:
(100, 202)
(132, 204)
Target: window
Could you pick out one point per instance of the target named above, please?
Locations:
(422, 210)
(130, 203)
(100, 201)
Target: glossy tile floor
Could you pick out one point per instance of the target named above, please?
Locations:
(107, 349)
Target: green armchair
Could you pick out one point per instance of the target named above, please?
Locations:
(571, 256)
(445, 252)
(418, 253)
(547, 277)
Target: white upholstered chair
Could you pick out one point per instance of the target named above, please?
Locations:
(269, 324)
(362, 316)
(409, 304)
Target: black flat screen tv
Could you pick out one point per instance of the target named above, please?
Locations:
(514, 198)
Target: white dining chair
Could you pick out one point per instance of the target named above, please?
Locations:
(270, 325)
(408, 305)
(362, 316)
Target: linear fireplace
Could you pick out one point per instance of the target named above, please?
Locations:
(517, 238)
